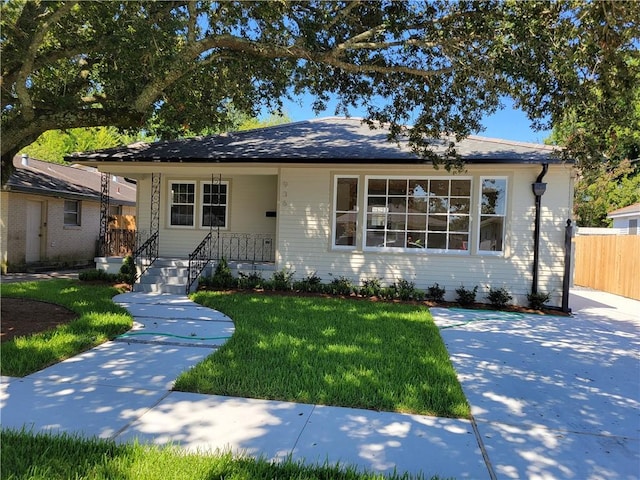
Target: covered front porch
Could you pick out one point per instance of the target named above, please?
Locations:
(194, 222)
(244, 253)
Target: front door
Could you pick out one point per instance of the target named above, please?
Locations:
(34, 231)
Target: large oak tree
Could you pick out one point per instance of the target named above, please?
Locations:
(439, 66)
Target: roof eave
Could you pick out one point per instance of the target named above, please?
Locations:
(63, 194)
(331, 161)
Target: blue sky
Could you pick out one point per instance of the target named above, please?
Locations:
(508, 124)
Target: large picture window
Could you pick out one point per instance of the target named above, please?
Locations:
(418, 213)
(345, 211)
(183, 197)
(493, 208)
(214, 204)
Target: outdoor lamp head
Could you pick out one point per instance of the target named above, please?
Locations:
(539, 188)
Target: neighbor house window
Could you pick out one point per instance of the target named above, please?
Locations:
(71, 212)
(183, 197)
(214, 204)
(345, 211)
(418, 213)
(493, 208)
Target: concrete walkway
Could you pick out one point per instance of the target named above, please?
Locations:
(552, 397)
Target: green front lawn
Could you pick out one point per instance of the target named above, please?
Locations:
(42, 456)
(331, 351)
(99, 319)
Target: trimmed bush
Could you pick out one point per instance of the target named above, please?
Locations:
(98, 276)
(311, 284)
(222, 276)
(537, 300)
(466, 297)
(499, 297)
(371, 288)
(282, 280)
(128, 270)
(435, 293)
(340, 286)
(405, 290)
(250, 281)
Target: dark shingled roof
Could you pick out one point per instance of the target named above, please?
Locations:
(325, 140)
(55, 180)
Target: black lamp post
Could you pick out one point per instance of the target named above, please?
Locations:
(538, 188)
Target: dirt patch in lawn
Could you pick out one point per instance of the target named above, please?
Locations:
(23, 316)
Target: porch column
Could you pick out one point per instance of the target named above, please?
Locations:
(154, 225)
(105, 181)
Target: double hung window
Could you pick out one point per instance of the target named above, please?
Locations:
(208, 201)
(214, 204)
(345, 211)
(493, 207)
(71, 213)
(183, 198)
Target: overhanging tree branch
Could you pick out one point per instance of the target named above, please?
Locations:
(332, 58)
(27, 66)
(447, 62)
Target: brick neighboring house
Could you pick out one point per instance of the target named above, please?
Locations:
(50, 214)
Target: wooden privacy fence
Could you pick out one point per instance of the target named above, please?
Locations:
(610, 263)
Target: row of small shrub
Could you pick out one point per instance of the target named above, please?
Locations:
(283, 280)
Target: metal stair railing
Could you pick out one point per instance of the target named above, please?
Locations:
(148, 250)
(253, 247)
(198, 260)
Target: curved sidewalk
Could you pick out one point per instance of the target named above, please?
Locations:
(121, 390)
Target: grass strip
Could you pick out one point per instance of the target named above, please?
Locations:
(330, 351)
(44, 456)
(99, 320)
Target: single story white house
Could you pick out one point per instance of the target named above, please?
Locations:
(626, 219)
(334, 197)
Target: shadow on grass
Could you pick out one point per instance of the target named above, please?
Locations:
(27, 455)
(329, 351)
(99, 320)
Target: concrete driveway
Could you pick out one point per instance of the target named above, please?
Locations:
(553, 397)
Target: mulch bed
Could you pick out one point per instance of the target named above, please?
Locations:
(23, 316)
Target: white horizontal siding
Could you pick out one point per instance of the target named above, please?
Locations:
(302, 197)
(305, 233)
(250, 197)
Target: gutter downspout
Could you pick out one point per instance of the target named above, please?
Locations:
(538, 190)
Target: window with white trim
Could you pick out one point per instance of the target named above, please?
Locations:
(345, 218)
(71, 213)
(215, 204)
(182, 209)
(493, 210)
(418, 213)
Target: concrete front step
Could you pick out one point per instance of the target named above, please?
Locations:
(160, 288)
(170, 275)
(165, 275)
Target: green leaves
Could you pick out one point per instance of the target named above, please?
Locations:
(440, 65)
